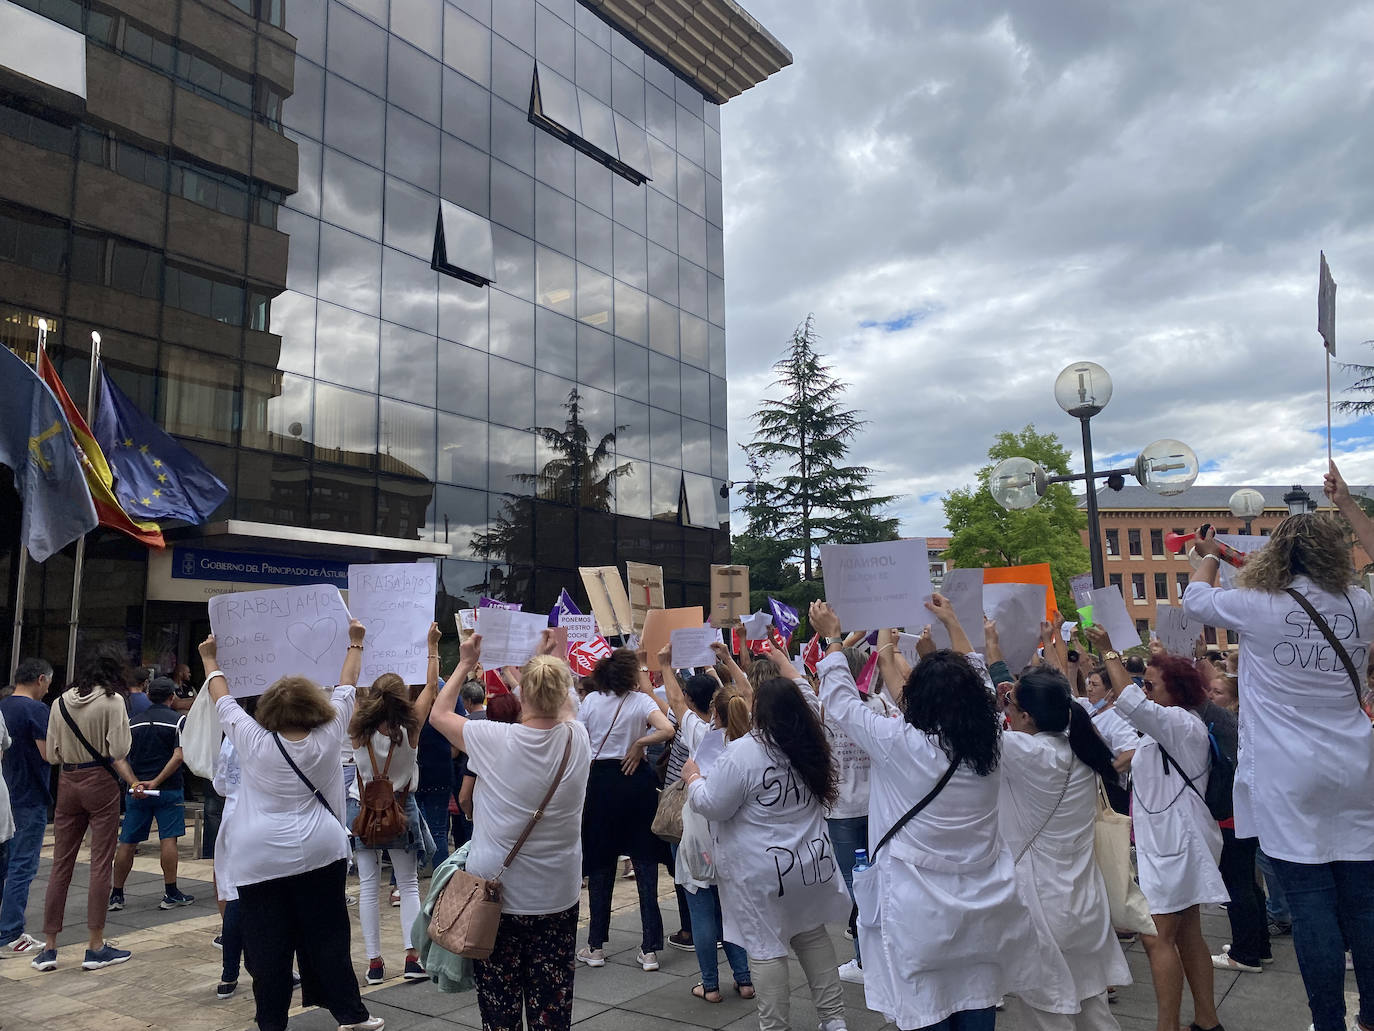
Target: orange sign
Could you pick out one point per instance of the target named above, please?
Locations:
(1036, 574)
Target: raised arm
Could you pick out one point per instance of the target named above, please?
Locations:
(353, 660)
(425, 702)
(1339, 494)
(892, 665)
(1111, 660)
(677, 701)
(442, 716)
(737, 675)
(840, 694)
(215, 682)
(944, 612)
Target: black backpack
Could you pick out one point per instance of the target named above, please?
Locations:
(1222, 779)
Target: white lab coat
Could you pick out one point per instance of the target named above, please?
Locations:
(1306, 750)
(1177, 842)
(228, 778)
(774, 862)
(942, 927)
(1058, 875)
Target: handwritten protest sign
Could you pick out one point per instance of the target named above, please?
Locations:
(509, 638)
(692, 646)
(580, 628)
(395, 601)
(872, 586)
(467, 619)
(1018, 610)
(645, 590)
(1081, 586)
(288, 631)
(1246, 544)
(964, 589)
(1174, 630)
(659, 625)
(1109, 612)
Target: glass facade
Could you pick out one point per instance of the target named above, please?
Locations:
(252, 213)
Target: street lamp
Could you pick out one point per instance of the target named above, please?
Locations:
(1247, 503)
(1083, 389)
(1299, 501)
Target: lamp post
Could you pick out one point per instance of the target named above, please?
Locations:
(1299, 501)
(1246, 503)
(1083, 389)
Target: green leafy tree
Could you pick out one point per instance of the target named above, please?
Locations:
(804, 493)
(983, 533)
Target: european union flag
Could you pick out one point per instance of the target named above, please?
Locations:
(155, 477)
(37, 443)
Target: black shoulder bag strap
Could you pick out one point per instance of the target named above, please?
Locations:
(1332, 640)
(304, 779)
(910, 813)
(96, 753)
(1169, 760)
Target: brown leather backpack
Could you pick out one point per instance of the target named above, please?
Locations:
(382, 817)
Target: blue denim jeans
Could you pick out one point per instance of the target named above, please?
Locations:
(434, 809)
(1333, 910)
(1276, 907)
(704, 906)
(19, 868)
(966, 1020)
(846, 835)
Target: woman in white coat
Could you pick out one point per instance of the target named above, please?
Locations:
(778, 879)
(1046, 813)
(1178, 844)
(944, 931)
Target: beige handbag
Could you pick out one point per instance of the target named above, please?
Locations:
(1112, 847)
(468, 912)
(668, 817)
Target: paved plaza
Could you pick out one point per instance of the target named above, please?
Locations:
(170, 982)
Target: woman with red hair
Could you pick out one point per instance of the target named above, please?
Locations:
(1178, 844)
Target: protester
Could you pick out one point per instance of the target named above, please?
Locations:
(1306, 752)
(6, 814)
(690, 704)
(89, 737)
(434, 763)
(384, 733)
(138, 700)
(228, 782)
(1046, 812)
(622, 718)
(779, 884)
(1178, 843)
(533, 964)
(943, 929)
(290, 881)
(474, 705)
(26, 773)
(731, 713)
(155, 756)
(1120, 736)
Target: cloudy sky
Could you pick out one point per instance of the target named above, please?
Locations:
(972, 194)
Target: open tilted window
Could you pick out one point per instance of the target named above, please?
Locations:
(462, 245)
(580, 120)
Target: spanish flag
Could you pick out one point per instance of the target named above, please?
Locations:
(98, 475)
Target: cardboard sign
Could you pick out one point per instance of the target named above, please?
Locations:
(509, 638)
(579, 628)
(1039, 573)
(584, 655)
(1174, 631)
(610, 604)
(1017, 610)
(645, 588)
(692, 646)
(395, 601)
(729, 595)
(263, 636)
(964, 589)
(872, 586)
(659, 625)
(1109, 612)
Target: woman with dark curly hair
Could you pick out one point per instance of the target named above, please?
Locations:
(943, 931)
(779, 882)
(1178, 843)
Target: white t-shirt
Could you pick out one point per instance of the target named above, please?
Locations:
(1306, 756)
(598, 711)
(404, 774)
(518, 763)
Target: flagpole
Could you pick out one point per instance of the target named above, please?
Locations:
(1328, 408)
(22, 575)
(79, 565)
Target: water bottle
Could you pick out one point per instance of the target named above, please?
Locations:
(860, 859)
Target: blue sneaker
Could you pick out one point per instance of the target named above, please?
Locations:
(105, 956)
(170, 900)
(46, 960)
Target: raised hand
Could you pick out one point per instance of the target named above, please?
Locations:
(470, 651)
(824, 620)
(925, 644)
(356, 631)
(434, 636)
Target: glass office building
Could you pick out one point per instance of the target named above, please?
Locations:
(415, 278)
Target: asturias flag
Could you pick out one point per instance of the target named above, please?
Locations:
(157, 478)
(99, 478)
(37, 443)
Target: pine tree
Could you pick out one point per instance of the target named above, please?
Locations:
(806, 435)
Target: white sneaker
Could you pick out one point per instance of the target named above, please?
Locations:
(1225, 961)
(648, 960)
(592, 957)
(370, 1024)
(852, 972)
(25, 945)
(837, 1024)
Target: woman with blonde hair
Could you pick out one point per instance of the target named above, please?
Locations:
(533, 964)
(1306, 757)
(731, 713)
(384, 734)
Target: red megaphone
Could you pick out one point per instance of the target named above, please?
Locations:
(1175, 542)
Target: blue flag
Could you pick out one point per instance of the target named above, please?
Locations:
(37, 443)
(785, 618)
(155, 477)
(563, 607)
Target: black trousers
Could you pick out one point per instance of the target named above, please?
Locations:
(1249, 921)
(305, 916)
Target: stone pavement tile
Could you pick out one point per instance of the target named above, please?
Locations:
(616, 983)
(421, 997)
(676, 1002)
(623, 1020)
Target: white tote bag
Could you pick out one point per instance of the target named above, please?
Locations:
(1112, 847)
(200, 736)
(695, 849)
